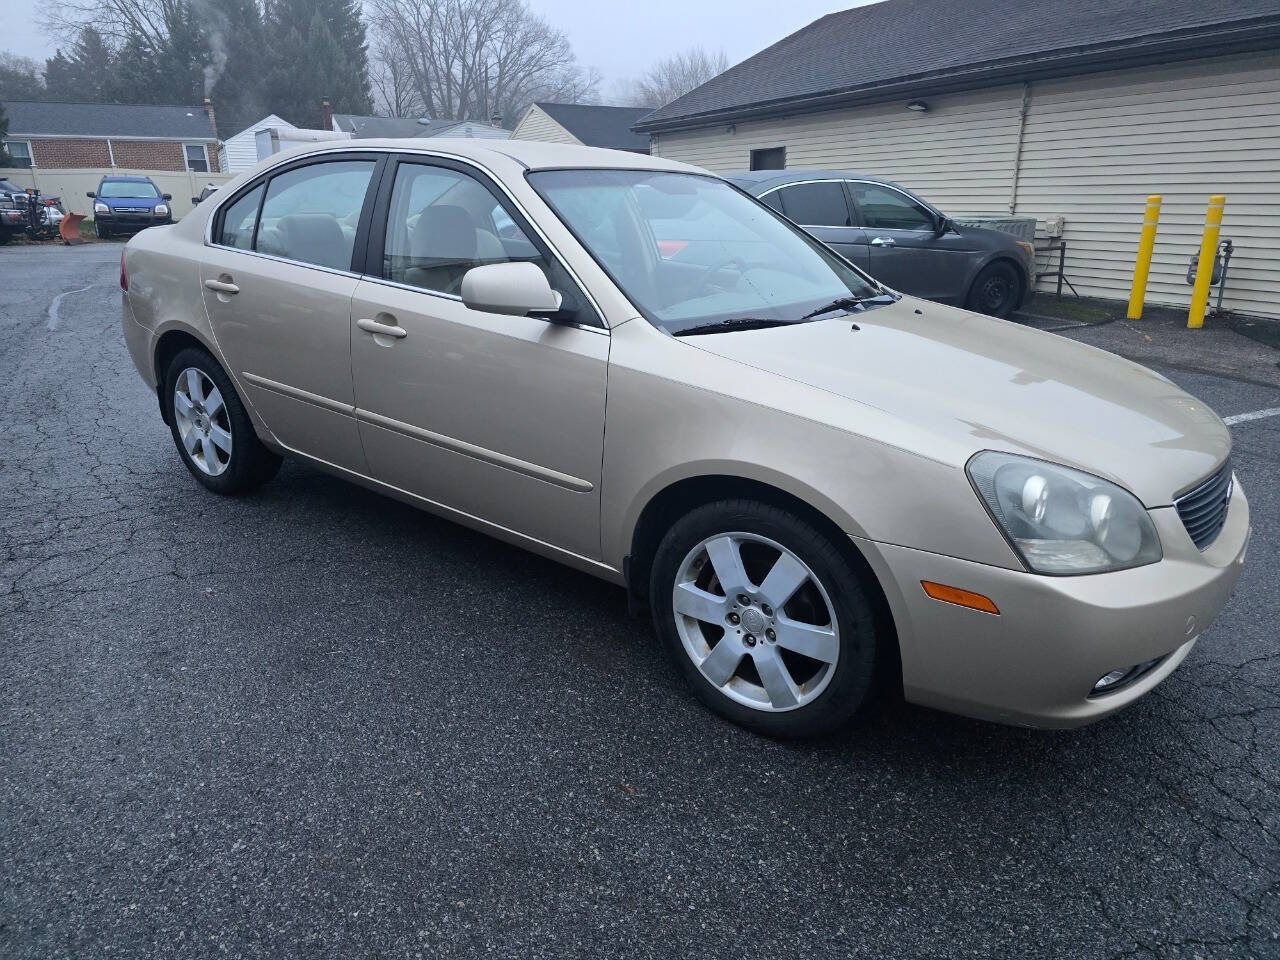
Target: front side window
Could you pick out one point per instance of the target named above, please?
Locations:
(690, 250)
(311, 213)
(197, 157)
(816, 204)
(19, 151)
(886, 209)
(239, 220)
(443, 222)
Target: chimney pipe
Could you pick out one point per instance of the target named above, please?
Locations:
(328, 114)
(496, 120)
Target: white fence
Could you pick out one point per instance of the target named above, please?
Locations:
(71, 185)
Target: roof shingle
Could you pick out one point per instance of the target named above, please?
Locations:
(898, 41)
(29, 118)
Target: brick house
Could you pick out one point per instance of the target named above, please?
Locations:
(59, 136)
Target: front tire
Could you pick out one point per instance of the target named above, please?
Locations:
(996, 290)
(103, 231)
(211, 429)
(766, 618)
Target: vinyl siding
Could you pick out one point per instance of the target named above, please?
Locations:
(537, 124)
(240, 152)
(1093, 148)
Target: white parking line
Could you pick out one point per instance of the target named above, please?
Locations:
(1255, 415)
(57, 302)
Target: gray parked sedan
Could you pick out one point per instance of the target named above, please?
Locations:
(899, 238)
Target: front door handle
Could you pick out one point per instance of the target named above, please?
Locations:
(884, 242)
(382, 329)
(221, 286)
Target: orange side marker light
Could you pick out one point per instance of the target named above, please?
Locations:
(961, 598)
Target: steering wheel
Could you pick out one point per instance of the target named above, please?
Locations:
(704, 278)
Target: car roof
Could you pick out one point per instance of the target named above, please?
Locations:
(531, 154)
(120, 178)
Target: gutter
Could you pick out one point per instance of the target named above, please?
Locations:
(1260, 34)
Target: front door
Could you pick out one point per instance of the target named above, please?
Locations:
(277, 286)
(907, 252)
(500, 417)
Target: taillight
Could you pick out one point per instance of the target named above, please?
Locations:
(124, 274)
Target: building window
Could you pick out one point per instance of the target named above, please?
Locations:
(197, 157)
(20, 152)
(773, 158)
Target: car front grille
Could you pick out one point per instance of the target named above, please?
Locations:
(1204, 508)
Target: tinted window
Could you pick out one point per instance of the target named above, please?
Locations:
(886, 209)
(239, 219)
(816, 204)
(774, 158)
(311, 213)
(443, 222)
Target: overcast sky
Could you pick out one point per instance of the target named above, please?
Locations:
(618, 38)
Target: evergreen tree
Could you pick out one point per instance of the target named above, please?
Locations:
(318, 50)
(20, 78)
(86, 73)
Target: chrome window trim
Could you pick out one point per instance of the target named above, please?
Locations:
(265, 175)
(869, 183)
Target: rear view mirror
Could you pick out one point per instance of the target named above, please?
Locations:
(516, 289)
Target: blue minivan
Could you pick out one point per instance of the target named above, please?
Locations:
(127, 205)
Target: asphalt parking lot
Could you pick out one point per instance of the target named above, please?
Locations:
(318, 723)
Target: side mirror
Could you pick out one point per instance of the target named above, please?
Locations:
(166, 196)
(516, 289)
(194, 201)
(944, 224)
(91, 195)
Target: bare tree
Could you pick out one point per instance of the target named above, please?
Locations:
(477, 59)
(394, 94)
(673, 77)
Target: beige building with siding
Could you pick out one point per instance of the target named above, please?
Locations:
(1076, 120)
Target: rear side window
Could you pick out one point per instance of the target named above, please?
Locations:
(816, 204)
(311, 213)
(239, 220)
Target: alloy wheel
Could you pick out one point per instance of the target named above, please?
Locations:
(756, 621)
(204, 425)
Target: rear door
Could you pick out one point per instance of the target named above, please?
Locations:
(277, 286)
(906, 251)
(822, 208)
(500, 417)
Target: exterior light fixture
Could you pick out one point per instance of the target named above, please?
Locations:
(919, 106)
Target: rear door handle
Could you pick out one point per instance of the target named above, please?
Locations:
(884, 242)
(382, 329)
(222, 286)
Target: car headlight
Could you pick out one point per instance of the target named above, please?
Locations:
(162, 210)
(1062, 521)
(101, 208)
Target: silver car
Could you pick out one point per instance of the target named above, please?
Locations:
(819, 487)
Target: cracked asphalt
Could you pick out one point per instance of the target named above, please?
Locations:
(317, 723)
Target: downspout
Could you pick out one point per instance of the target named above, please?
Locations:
(1017, 150)
(111, 153)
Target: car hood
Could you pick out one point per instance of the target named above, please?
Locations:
(984, 384)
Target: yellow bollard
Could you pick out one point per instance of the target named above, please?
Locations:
(1142, 267)
(1208, 256)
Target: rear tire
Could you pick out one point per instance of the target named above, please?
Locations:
(996, 290)
(211, 428)
(803, 595)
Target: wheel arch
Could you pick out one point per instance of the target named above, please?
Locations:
(168, 345)
(681, 496)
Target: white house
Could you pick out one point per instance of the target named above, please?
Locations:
(240, 152)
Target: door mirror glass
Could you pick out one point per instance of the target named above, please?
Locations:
(511, 288)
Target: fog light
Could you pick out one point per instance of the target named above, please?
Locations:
(1122, 678)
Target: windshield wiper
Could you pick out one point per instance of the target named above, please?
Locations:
(733, 323)
(851, 304)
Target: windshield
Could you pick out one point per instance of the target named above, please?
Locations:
(691, 251)
(125, 188)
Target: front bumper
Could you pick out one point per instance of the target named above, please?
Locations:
(1036, 662)
(118, 220)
